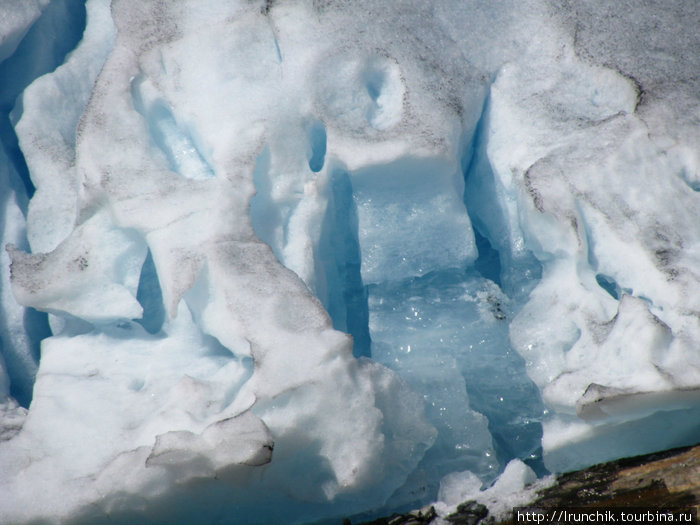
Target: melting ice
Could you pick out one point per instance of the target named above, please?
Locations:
(284, 262)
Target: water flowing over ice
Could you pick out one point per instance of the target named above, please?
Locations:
(283, 262)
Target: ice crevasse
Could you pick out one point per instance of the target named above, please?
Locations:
(284, 262)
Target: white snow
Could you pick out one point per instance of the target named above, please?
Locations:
(515, 487)
(17, 17)
(51, 110)
(499, 203)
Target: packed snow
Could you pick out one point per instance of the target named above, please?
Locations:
(292, 261)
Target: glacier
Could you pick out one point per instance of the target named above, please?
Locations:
(292, 261)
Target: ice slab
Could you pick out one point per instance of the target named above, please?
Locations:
(443, 332)
(18, 16)
(517, 485)
(402, 209)
(49, 118)
(587, 212)
(245, 382)
(464, 180)
(19, 335)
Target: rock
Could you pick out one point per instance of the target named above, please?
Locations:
(659, 480)
(415, 517)
(469, 513)
(662, 481)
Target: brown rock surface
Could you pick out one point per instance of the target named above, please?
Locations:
(662, 481)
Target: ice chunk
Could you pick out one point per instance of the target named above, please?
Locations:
(421, 198)
(127, 376)
(642, 422)
(12, 416)
(92, 275)
(241, 334)
(20, 330)
(438, 332)
(44, 46)
(451, 184)
(50, 113)
(239, 440)
(18, 16)
(587, 212)
(517, 485)
(639, 363)
(458, 487)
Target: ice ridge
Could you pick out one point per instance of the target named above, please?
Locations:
(293, 261)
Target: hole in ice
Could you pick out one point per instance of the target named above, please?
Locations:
(150, 296)
(609, 284)
(317, 139)
(340, 256)
(137, 384)
(36, 324)
(55, 33)
(21, 359)
(500, 259)
(488, 263)
(374, 81)
(383, 83)
(686, 176)
(175, 142)
(344, 295)
(496, 378)
(183, 156)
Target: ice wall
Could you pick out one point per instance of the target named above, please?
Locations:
(497, 201)
(245, 365)
(615, 224)
(35, 38)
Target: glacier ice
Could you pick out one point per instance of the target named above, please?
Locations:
(516, 486)
(200, 200)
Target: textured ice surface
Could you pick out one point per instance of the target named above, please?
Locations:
(497, 201)
(50, 112)
(516, 486)
(18, 16)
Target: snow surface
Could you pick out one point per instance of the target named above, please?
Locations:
(516, 486)
(200, 200)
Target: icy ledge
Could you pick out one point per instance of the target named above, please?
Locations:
(224, 189)
(663, 480)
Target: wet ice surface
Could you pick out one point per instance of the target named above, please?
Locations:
(202, 199)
